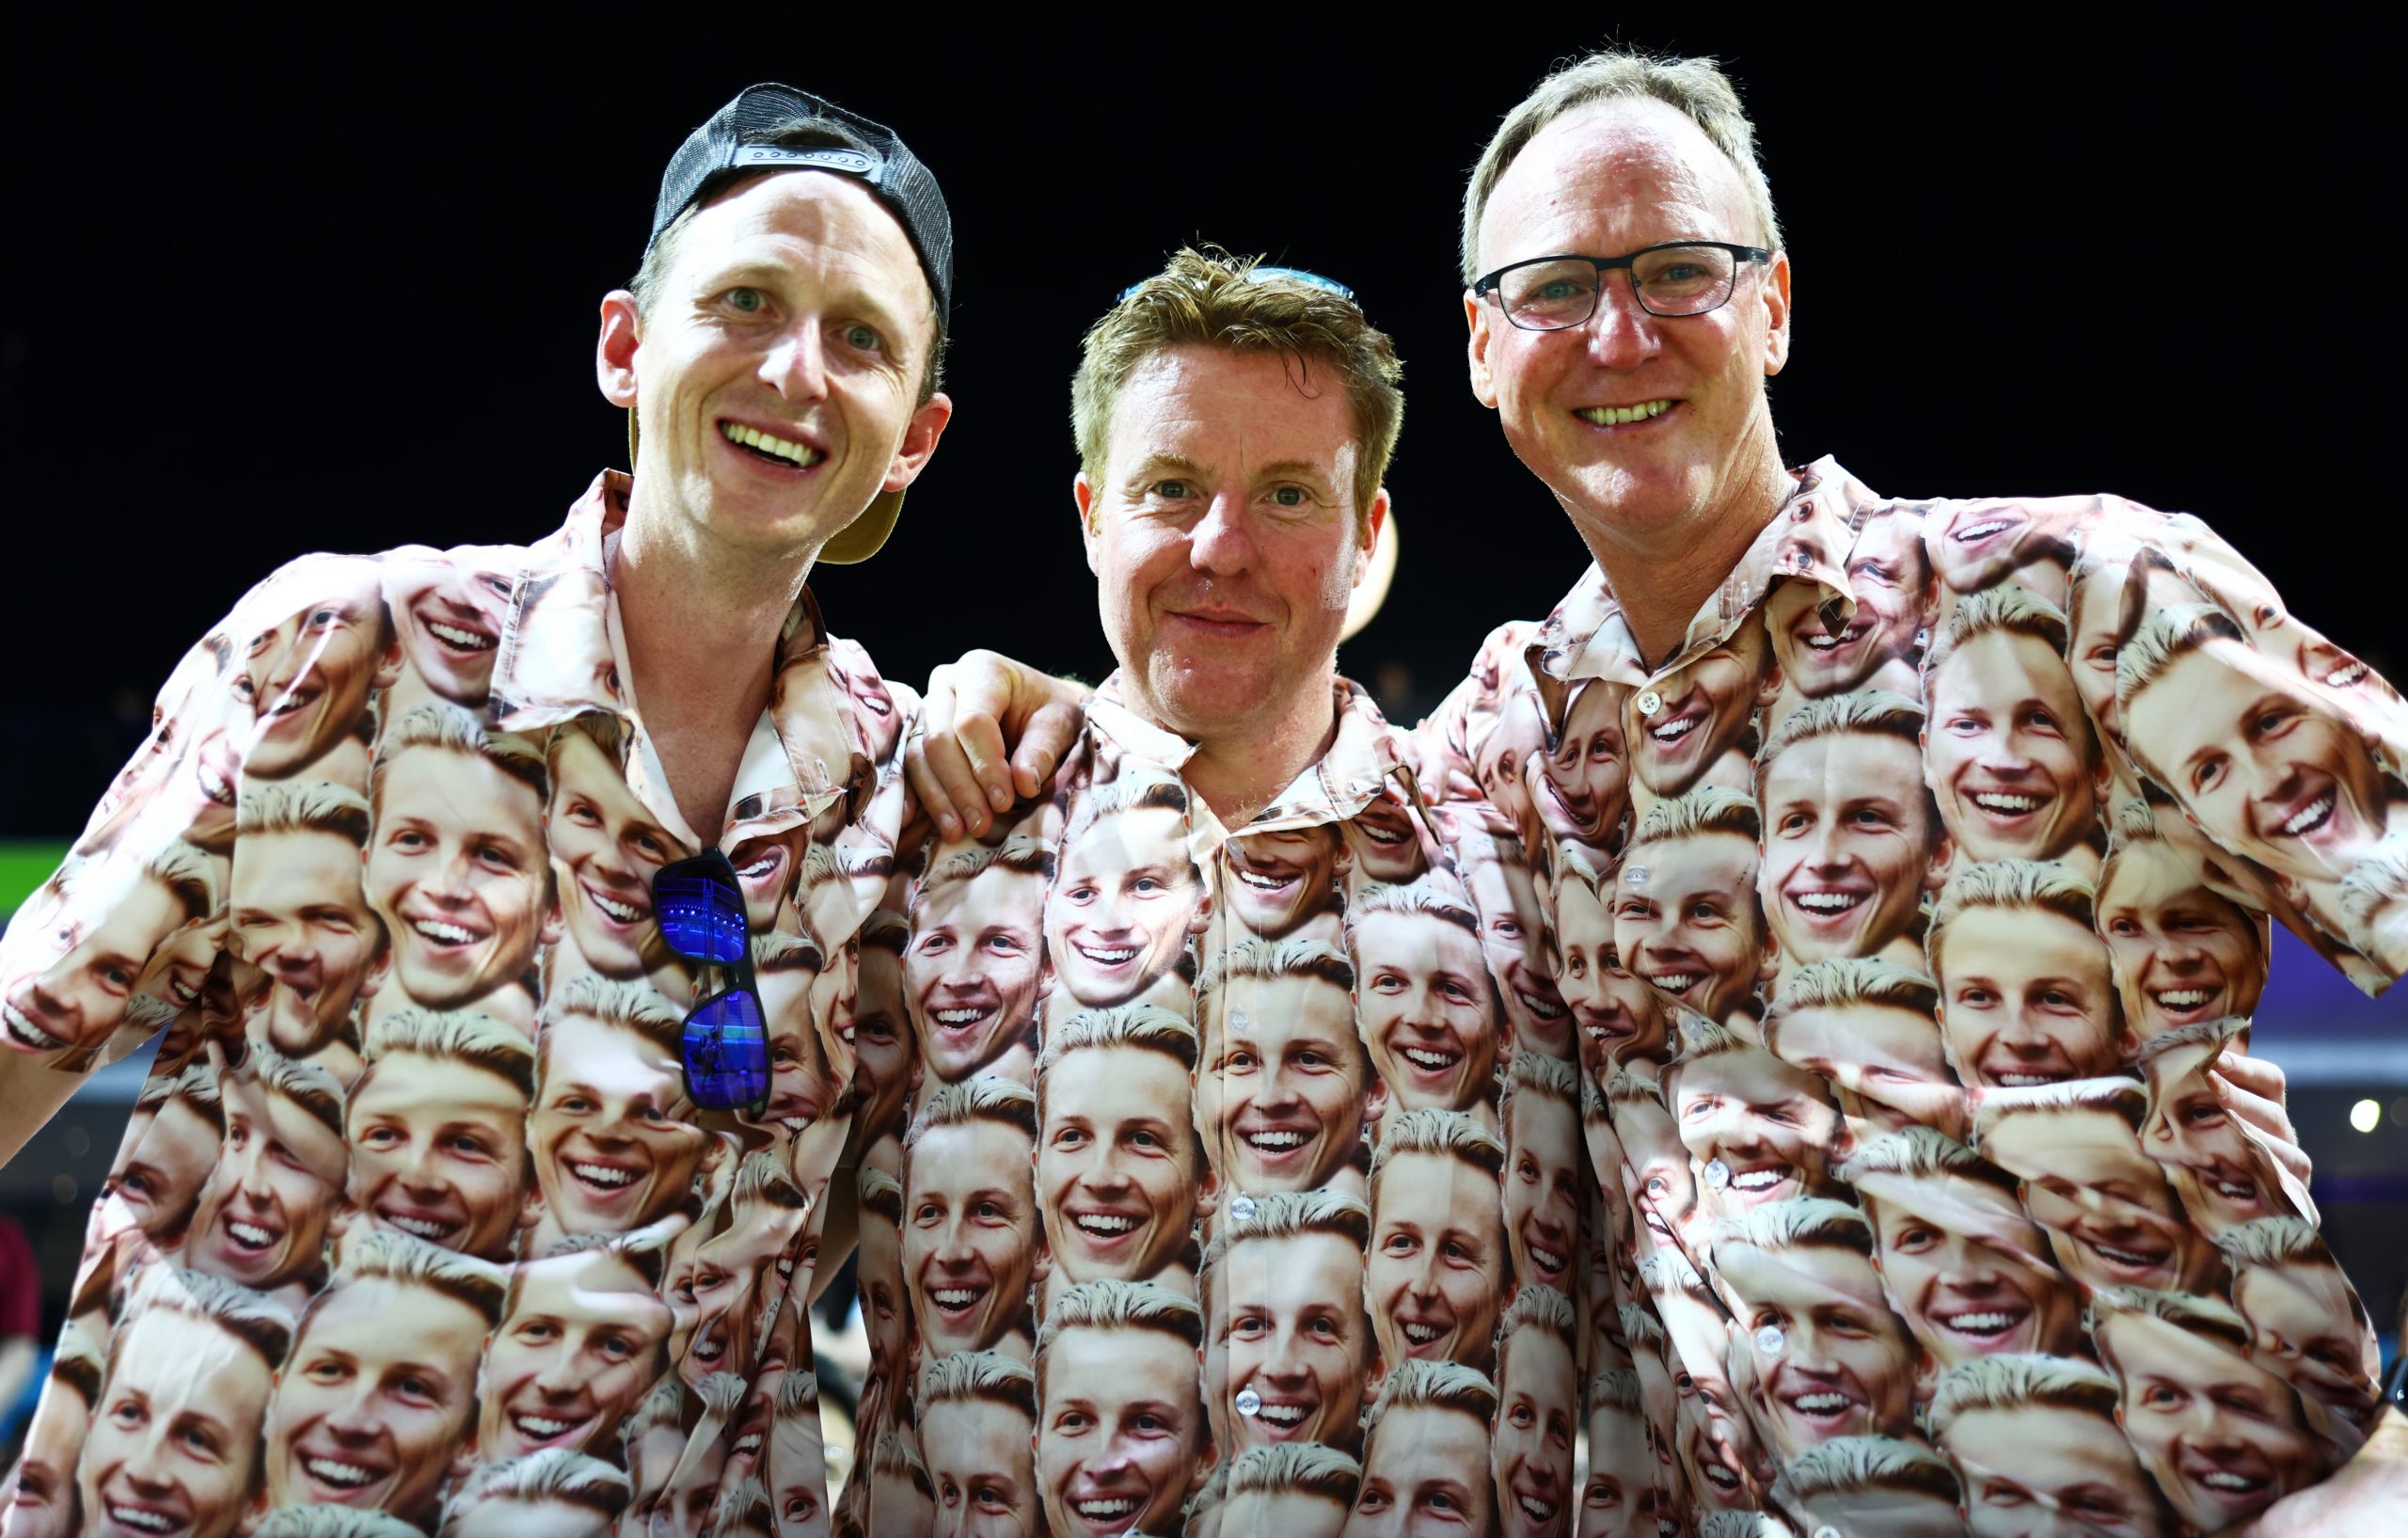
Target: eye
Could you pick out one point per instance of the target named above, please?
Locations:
(863, 339)
(1170, 491)
(746, 301)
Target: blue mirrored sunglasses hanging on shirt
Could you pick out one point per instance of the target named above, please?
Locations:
(725, 1046)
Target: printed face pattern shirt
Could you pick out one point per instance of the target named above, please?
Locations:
(1905, 916)
(1217, 1180)
(414, 1216)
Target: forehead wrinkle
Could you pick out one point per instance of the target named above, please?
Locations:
(1648, 161)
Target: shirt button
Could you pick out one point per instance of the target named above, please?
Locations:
(1649, 702)
(1237, 1019)
(1249, 1402)
(1717, 1174)
(1240, 1207)
(1769, 1341)
(1826, 1530)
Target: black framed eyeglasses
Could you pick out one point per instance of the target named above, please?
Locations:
(1292, 274)
(725, 1045)
(1678, 278)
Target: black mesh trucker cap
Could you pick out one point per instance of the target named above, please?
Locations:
(715, 153)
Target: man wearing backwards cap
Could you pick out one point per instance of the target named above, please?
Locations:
(651, 681)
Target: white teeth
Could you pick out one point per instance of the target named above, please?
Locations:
(2309, 817)
(350, 1475)
(1432, 1062)
(956, 1298)
(1546, 1260)
(1675, 729)
(1104, 1511)
(1981, 531)
(1380, 835)
(961, 1016)
(2231, 1191)
(1820, 1403)
(1102, 957)
(625, 912)
(1981, 1324)
(1421, 1334)
(2184, 998)
(542, 1428)
(2024, 1081)
(1104, 1224)
(1282, 1141)
(249, 1235)
(1539, 1511)
(1543, 1008)
(25, 1030)
(760, 867)
(184, 993)
(1824, 642)
(451, 635)
(420, 1228)
(1260, 882)
(1760, 1180)
(1830, 902)
(1284, 1415)
(2222, 1480)
(2124, 1257)
(602, 1174)
(147, 1521)
(442, 934)
(1616, 415)
(1997, 800)
(215, 786)
(2345, 675)
(1677, 983)
(793, 453)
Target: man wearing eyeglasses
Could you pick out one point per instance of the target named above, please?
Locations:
(658, 679)
(1629, 292)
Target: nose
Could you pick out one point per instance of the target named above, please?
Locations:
(353, 1420)
(796, 365)
(1621, 335)
(1221, 545)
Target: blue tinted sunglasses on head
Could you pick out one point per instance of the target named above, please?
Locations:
(725, 1046)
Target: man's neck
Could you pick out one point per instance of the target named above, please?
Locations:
(1660, 577)
(1238, 773)
(702, 626)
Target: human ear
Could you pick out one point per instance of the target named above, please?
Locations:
(1483, 376)
(614, 350)
(920, 436)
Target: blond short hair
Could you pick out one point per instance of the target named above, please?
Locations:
(1708, 809)
(1844, 982)
(1697, 87)
(1283, 1215)
(2010, 607)
(1871, 712)
(458, 1036)
(984, 1097)
(978, 1378)
(303, 807)
(1534, 1307)
(324, 1519)
(1114, 1303)
(1617, 1389)
(1299, 1468)
(443, 724)
(2165, 637)
(881, 1192)
(187, 874)
(1268, 959)
(1850, 1466)
(554, 1473)
(629, 1006)
(1419, 1383)
(1024, 856)
(305, 1085)
(2211, 1320)
(1797, 1223)
(1422, 896)
(2275, 1240)
(2016, 1380)
(2041, 886)
(1145, 1026)
(1211, 298)
(383, 1255)
(2123, 1098)
(1918, 1153)
(255, 1318)
(1454, 1135)
(774, 950)
(1536, 1073)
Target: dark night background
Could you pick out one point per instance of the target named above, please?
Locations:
(266, 292)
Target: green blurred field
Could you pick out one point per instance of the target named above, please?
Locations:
(25, 865)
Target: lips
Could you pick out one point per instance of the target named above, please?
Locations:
(2131, 1259)
(1428, 1335)
(1285, 1416)
(1826, 1407)
(1279, 1148)
(1988, 1326)
(1108, 954)
(143, 1517)
(1681, 980)
(1982, 530)
(463, 634)
(614, 906)
(1671, 736)
(28, 1030)
(1105, 1229)
(2010, 808)
(1547, 1251)
(1537, 1502)
(2002, 1067)
(442, 930)
(541, 1426)
(349, 1477)
(958, 1303)
(1110, 1511)
(2310, 813)
(437, 1228)
(604, 1182)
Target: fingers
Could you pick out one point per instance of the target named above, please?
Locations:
(946, 784)
(2255, 1075)
(2232, 1077)
(1044, 741)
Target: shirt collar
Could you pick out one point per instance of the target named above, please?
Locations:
(1334, 788)
(562, 655)
(1807, 539)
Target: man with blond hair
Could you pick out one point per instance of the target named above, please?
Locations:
(1122, 1442)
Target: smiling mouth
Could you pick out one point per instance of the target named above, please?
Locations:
(1820, 640)
(1827, 903)
(1552, 1261)
(142, 1519)
(2309, 818)
(957, 1022)
(1620, 416)
(542, 1428)
(23, 1030)
(1107, 956)
(2130, 1260)
(1719, 1474)
(1430, 1061)
(1284, 1415)
(417, 1226)
(1104, 1227)
(250, 1237)
(1760, 1179)
(777, 450)
(616, 909)
(610, 1179)
(2027, 1078)
(1418, 1334)
(956, 1302)
(761, 869)
(1676, 983)
(1380, 834)
(1820, 1404)
(1275, 1142)
(1110, 1509)
(443, 933)
(1544, 1007)
(1267, 883)
(457, 638)
(1534, 1507)
(214, 783)
(1982, 1324)
(2181, 1001)
(2226, 1481)
(1670, 732)
(2008, 805)
(338, 1473)
(1977, 532)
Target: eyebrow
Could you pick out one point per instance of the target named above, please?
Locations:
(842, 294)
